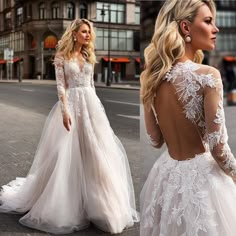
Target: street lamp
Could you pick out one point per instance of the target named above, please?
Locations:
(42, 59)
(108, 82)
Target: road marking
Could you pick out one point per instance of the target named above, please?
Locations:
(28, 90)
(126, 103)
(130, 117)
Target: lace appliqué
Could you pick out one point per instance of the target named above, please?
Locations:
(188, 90)
(61, 82)
(70, 75)
(218, 141)
(189, 87)
(152, 141)
(76, 77)
(193, 201)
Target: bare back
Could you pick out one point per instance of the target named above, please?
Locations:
(182, 137)
(188, 115)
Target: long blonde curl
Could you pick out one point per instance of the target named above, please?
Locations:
(167, 45)
(66, 46)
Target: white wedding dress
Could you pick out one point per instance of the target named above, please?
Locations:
(77, 176)
(195, 196)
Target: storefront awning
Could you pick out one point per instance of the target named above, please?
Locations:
(15, 59)
(230, 58)
(117, 59)
(137, 59)
(2, 61)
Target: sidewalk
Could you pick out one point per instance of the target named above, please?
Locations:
(132, 85)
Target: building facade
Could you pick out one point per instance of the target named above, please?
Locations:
(224, 55)
(31, 29)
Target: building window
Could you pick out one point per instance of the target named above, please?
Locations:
(19, 16)
(117, 12)
(6, 3)
(7, 20)
(30, 12)
(70, 10)
(42, 11)
(226, 19)
(137, 15)
(226, 42)
(136, 41)
(227, 3)
(55, 10)
(17, 41)
(83, 11)
(121, 40)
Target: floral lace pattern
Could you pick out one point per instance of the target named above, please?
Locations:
(70, 75)
(183, 199)
(190, 86)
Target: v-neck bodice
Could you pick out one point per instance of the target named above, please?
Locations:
(71, 74)
(79, 63)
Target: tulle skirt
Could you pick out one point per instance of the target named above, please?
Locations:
(188, 198)
(77, 176)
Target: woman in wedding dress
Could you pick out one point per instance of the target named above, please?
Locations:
(191, 189)
(80, 172)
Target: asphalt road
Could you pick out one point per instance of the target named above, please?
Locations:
(122, 106)
(23, 110)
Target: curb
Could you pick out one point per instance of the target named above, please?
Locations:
(53, 82)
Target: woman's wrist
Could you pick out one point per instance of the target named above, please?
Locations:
(64, 109)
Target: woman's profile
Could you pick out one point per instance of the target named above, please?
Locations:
(191, 189)
(80, 173)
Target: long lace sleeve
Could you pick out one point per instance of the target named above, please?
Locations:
(92, 81)
(153, 130)
(61, 82)
(215, 123)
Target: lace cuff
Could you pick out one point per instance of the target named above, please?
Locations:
(153, 142)
(154, 133)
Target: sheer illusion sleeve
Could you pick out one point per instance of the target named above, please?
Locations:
(153, 130)
(92, 81)
(215, 123)
(61, 82)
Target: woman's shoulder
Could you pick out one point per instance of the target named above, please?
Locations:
(205, 74)
(59, 55)
(209, 70)
(58, 59)
(210, 76)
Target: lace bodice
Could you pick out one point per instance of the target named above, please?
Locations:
(69, 75)
(199, 90)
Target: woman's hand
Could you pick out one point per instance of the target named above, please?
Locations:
(66, 121)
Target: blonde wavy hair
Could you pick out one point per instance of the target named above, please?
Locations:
(66, 46)
(167, 44)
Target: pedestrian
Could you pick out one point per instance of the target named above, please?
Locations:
(191, 189)
(80, 173)
(230, 77)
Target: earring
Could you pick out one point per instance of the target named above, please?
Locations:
(75, 39)
(187, 38)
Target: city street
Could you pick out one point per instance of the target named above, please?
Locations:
(23, 109)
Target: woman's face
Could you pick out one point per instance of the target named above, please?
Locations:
(203, 30)
(83, 35)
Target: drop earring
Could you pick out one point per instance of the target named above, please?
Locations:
(187, 38)
(75, 39)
